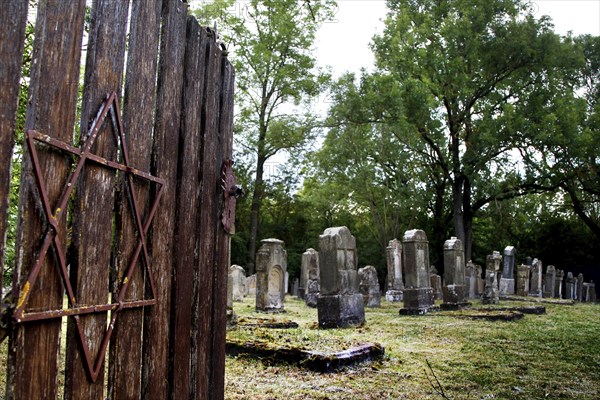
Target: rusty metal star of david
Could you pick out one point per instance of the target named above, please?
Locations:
(54, 215)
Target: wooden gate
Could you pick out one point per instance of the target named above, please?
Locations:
(125, 204)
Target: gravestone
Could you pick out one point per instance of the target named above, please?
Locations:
(395, 286)
(436, 282)
(558, 291)
(471, 280)
(490, 293)
(535, 284)
(418, 294)
(310, 261)
(579, 287)
(339, 303)
(231, 316)
(480, 280)
(369, 286)
(251, 286)
(570, 286)
(303, 282)
(507, 280)
(286, 282)
(454, 289)
(550, 282)
(592, 292)
(238, 279)
(585, 295)
(271, 266)
(522, 283)
(296, 287)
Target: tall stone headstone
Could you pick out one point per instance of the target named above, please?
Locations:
(251, 286)
(507, 280)
(570, 286)
(418, 294)
(286, 282)
(592, 292)
(303, 282)
(310, 261)
(522, 284)
(339, 304)
(535, 285)
(395, 286)
(454, 289)
(491, 293)
(238, 276)
(480, 280)
(230, 313)
(585, 294)
(550, 282)
(436, 283)
(580, 287)
(471, 280)
(369, 286)
(296, 287)
(271, 266)
(558, 284)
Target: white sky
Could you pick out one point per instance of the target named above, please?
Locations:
(343, 43)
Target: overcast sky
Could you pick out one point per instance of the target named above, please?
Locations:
(343, 43)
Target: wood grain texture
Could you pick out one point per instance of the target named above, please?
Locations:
(51, 109)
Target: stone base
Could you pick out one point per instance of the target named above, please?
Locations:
(454, 306)
(507, 286)
(535, 294)
(340, 311)
(453, 294)
(418, 301)
(393, 296)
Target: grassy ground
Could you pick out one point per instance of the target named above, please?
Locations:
(550, 356)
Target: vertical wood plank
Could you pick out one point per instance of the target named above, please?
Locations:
(164, 165)
(138, 113)
(33, 347)
(223, 242)
(208, 219)
(13, 22)
(188, 200)
(95, 196)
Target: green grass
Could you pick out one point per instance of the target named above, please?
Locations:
(550, 356)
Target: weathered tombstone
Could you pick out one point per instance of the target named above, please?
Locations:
(251, 286)
(271, 266)
(592, 292)
(471, 279)
(585, 290)
(570, 286)
(339, 303)
(490, 293)
(507, 280)
(558, 288)
(528, 261)
(418, 294)
(231, 316)
(311, 258)
(395, 286)
(238, 276)
(550, 282)
(454, 289)
(522, 288)
(296, 287)
(579, 287)
(535, 284)
(480, 280)
(369, 286)
(303, 282)
(435, 282)
(286, 282)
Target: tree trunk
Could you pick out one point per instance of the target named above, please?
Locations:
(255, 213)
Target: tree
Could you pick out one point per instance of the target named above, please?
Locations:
(480, 65)
(275, 69)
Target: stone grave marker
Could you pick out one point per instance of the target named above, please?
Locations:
(311, 258)
(339, 303)
(271, 266)
(480, 280)
(491, 293)
(507, 280)
(558, 288)
(251, 286)
(296, 287)
(454, 289)
(522, 284)
(471, 280)
(550, 282)
(592, 292)
(395, 286)
(535, 285)
(570, 286)
(369, 286)
(418, 294)
(435, 282)
(580, 287)
(238, 276)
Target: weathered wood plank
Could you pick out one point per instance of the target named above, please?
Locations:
(34, 347)
(13, 22)
(95, 196)
(223, 245)
(208, 219)
(164, 165)
(138, 113)
(188, 199)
